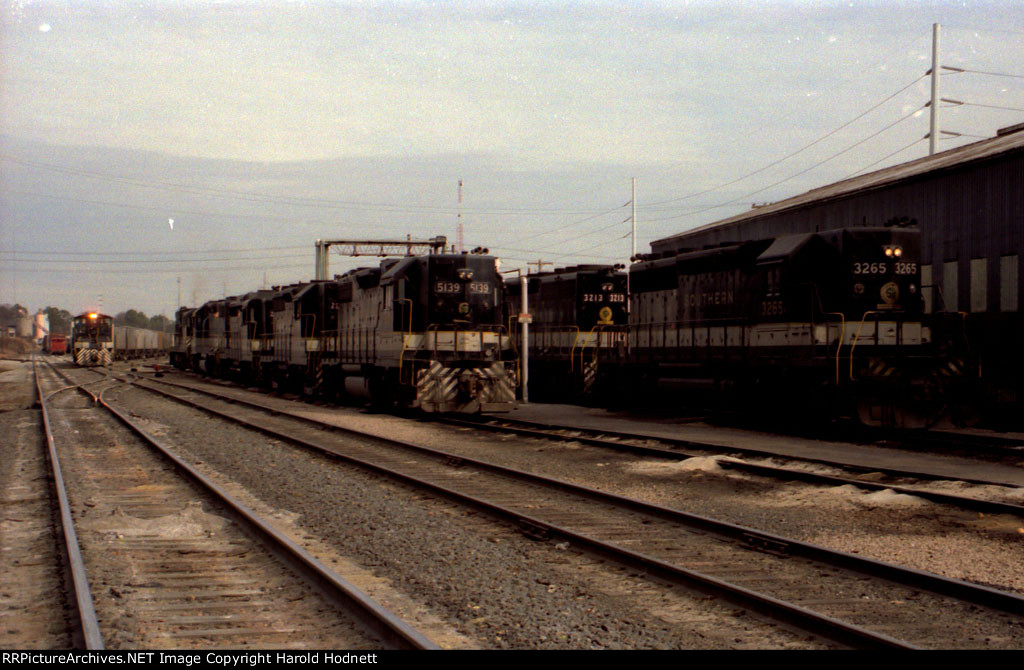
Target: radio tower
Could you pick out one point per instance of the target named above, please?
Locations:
(458, 231)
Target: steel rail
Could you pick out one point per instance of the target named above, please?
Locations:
(975, 593)
(905, 576)
(705, 446)
(390, 627)
(540, 431)
(87, 628)
(808, 620)
(992, 445)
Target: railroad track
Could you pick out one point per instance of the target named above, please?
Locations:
(998, 447)
(839, 596)
(685, 449)
(933, 440)
(679, 449)
(163, 558)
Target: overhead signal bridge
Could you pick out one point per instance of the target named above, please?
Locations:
(406, 247)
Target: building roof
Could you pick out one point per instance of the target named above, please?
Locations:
(1009, 140)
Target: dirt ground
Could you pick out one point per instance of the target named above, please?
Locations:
(16, 389)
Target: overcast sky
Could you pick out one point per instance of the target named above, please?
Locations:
(258, 127)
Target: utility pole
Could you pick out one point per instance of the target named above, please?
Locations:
(458, 232)
(634, 220)
(933, 133)
(540, 265)
(629, 292)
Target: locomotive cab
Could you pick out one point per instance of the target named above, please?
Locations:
(579, 316)
(443, 290)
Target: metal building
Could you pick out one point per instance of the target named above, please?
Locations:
(968, 203)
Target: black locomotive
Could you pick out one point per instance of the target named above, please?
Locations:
(92, 339)
(831, 322)
(421, 331)
(579, 321)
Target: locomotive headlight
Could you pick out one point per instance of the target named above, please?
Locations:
(897, 252)
(888, 252)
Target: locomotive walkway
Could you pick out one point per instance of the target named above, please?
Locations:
(860, 455)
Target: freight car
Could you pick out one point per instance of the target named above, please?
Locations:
(56, 345)
(92, 339)
(95, 340)
(132, 343)
(579, 322)
(829, 322)
(421, 332)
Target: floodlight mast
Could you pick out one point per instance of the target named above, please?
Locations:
(407, 247)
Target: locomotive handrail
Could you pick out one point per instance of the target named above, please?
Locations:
(409, 322)
(401, 353)
(597, 330)
(572, 349)
(857, 336)
(539, 331)
(312, 328)
(633, 331)
(583, 348)
(842, 335)
(515, 349)
(479, 329)
(434, 327)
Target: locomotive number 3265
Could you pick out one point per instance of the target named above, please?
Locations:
(883, 268)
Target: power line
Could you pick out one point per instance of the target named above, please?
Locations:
(798, 151)
(148, 261)
(164, 210)
(880, 160)
(256, 197)
(156, 253)
(994, 74)
(978, 104)
(982, 30)
(793, 176)
(168, 271)
(575, 223)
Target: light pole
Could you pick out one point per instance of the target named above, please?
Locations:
(524, 327)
